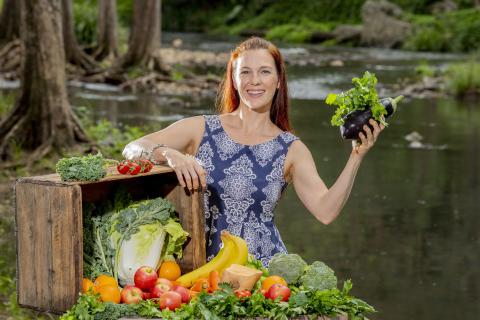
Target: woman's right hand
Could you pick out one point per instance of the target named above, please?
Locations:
(189, 172)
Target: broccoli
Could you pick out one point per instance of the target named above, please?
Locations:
(319, 276)
(288, 266)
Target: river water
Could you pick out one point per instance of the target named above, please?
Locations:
(409, 235)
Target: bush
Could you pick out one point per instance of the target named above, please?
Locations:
(301, 32)
(85, 14)
(464, 78)
(451, 32)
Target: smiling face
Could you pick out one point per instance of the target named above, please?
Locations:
(256, 79)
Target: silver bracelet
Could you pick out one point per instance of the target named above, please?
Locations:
(149, 153)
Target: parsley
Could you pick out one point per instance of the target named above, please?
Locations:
(362, 96)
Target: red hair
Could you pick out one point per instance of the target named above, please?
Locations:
(228, 99)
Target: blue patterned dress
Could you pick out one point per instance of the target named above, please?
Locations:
(244, 184)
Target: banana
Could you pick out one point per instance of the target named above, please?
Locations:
(219, 263)
(242, 250)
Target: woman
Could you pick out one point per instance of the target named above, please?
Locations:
(246, 156)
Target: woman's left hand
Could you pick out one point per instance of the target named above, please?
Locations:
(361, 147)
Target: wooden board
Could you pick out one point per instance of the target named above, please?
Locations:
(49, 246)
(49, 230)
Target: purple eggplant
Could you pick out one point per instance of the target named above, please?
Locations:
(354, 121)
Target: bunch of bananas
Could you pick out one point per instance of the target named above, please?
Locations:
(234, 250)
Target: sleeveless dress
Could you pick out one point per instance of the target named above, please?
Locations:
(244, 184)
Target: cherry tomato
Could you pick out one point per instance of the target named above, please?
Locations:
(122, 168)
(243, 293)
(135, 168)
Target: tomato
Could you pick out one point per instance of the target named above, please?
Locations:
(279, 291)
(243, 293)
(122, 168)
(135, 168)
(170, 300)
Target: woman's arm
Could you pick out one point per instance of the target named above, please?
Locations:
(169, 145)
(325, 204)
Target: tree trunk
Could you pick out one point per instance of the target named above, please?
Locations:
(144, 36)
(9, 21)
(42, 117)
(107, 31)
(73, 52)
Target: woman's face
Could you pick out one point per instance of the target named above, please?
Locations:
(256, 79)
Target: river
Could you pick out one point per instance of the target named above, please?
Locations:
(409, 235)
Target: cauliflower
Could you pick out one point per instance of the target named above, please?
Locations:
(288, 266)
(319, 276)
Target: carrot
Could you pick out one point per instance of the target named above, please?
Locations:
(214, 277)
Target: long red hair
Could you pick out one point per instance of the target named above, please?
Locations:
(228, 99)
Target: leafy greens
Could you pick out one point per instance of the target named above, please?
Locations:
(362, 96)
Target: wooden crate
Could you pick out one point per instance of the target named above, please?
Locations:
(49, 230)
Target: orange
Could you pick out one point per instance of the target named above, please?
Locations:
(271, 280)
(169, 270)
(109, 293)
(87, 285)
(103, 280)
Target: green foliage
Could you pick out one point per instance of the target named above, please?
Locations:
(86, 168)
(297, 32)
(223, 304)
(451, 32)
(288, 266)
(111, 139)
(85, 14)
(464, 78)
(363, 95)
(319, 276)
(425, 70)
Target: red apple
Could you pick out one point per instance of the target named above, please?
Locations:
(170, 300)
(147, 295)
(158, 290)
(145, 278)
(279, 290)
(164, 281)
(184, 293)
(131, 294)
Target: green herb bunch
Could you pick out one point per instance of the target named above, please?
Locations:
(86, 168)
(362, 96)
(223, 304)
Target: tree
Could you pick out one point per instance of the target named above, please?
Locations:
(74, 54)
(144, 37)
(9, 20)
(41, 118)
(10, 45)
(107, 31)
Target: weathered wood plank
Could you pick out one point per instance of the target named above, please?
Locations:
(112, 175)
(190, 209)
(49, 235)
(67, 252)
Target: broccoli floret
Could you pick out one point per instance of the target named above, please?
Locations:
(319, 276)
(288, 266)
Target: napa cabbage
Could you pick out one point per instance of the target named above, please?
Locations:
(142, 234)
